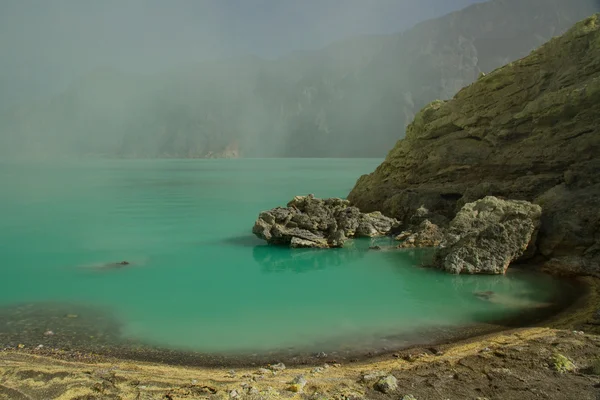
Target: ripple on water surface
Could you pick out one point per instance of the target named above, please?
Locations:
(199, 281)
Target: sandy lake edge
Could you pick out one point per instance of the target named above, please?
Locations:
(514, 363)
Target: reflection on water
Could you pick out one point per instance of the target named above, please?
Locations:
(281, 258)
(278, 259)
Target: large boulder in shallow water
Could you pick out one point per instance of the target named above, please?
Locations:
(311, 222)
(487, 235)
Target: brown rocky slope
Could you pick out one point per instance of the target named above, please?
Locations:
(527, 131)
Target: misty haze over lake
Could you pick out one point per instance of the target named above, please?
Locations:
(246, 79)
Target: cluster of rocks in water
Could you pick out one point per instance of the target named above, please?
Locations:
(516, 133)
(319, 223)
(484, 237)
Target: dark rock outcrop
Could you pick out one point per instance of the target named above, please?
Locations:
(322, 223)
(527, 131)
(487, 235)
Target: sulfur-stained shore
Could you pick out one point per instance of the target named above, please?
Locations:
(558, 359)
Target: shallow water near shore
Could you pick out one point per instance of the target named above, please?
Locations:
(198, 280)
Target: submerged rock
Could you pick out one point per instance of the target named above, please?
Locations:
(487, 235)
(319, 223)
(510, 300)
(111, 265)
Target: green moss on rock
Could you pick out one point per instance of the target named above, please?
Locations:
(562, 364)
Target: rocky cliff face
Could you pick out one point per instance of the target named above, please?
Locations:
(437, 58)
(527, 131)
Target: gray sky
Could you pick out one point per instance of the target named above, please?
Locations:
(46, 44)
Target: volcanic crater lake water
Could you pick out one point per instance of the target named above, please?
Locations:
(199, 280)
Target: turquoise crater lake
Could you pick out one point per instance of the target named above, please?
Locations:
(199, 280)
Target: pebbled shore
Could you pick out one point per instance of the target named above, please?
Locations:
(524, 363)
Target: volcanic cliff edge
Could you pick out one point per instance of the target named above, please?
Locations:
(527, 131)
